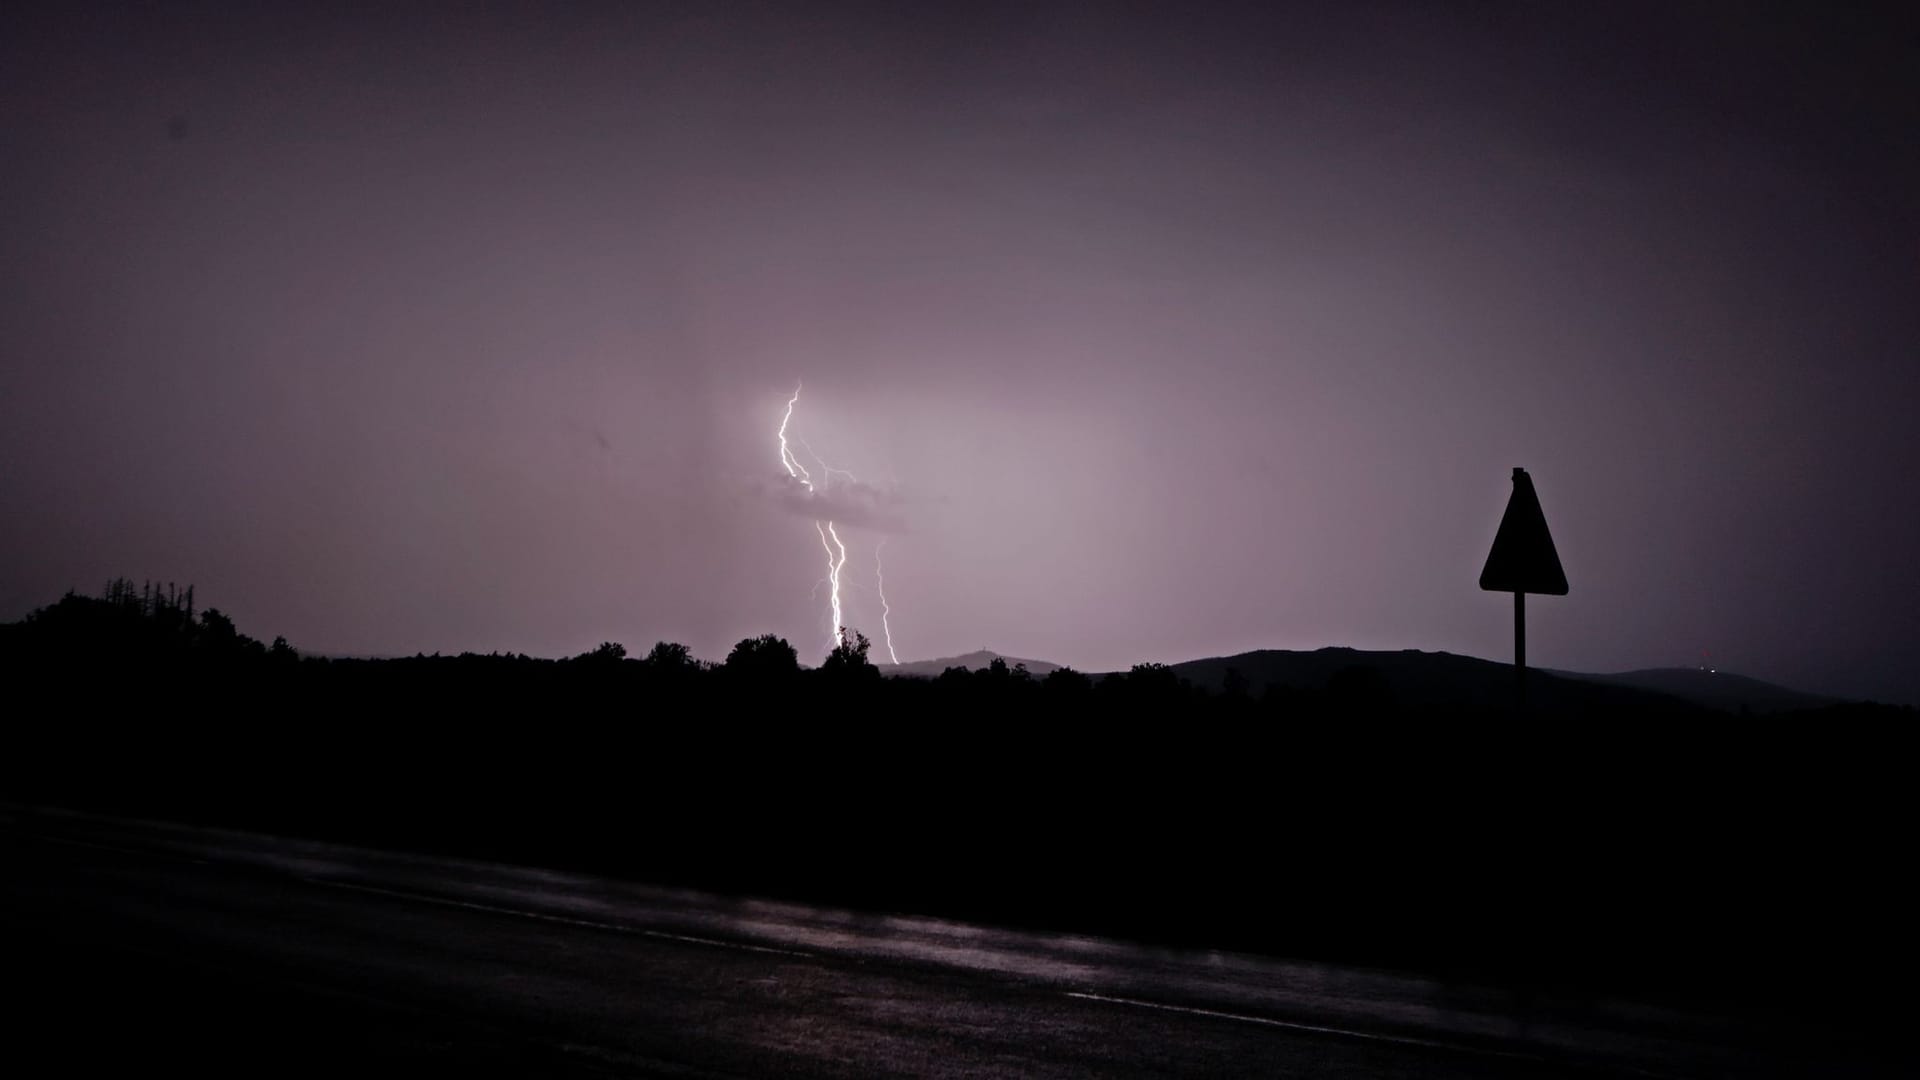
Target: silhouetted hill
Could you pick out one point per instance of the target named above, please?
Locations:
(978, 660)
(1415, 681)
(1713, 689)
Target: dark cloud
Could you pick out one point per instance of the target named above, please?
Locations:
(848, 503)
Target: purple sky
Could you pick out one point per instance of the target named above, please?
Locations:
(1165, 334)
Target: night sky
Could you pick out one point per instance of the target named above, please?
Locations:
(1150, 334)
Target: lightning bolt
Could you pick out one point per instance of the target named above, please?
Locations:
(825, 469)
(794, 468)
(880, 585)
(833, 578)
(830, 541)
(799, 472)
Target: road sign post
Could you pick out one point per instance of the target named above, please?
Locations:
(1520, 633)
(1523, 560)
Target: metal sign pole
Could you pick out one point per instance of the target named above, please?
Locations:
(1520, 648)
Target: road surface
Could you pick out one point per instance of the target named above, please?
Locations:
(151, 946)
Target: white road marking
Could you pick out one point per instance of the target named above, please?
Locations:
(565, 920)
(1345, 1033)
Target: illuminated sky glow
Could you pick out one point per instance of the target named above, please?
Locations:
(398, 329)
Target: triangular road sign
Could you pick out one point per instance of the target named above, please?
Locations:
(1523, 559)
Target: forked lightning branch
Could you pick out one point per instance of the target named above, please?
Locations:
(829, 534)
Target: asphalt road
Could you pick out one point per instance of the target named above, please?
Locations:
(135, 945)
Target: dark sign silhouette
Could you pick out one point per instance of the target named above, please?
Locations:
(1523, 561)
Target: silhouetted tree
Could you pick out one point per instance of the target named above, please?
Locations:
(217, 628)
(668, 656)
(1066, 682)
(607, 652)
(848, 659)
(1148, 685)
(764, 657)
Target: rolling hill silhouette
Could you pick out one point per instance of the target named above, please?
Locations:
(1413, 679)
(1419, 681)
(978, 660)
(1713, 689)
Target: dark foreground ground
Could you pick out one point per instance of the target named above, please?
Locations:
(142, 946)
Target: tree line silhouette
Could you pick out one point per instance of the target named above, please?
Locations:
(156, 626)
(128, 628)
(1683, 851)
(156, 622)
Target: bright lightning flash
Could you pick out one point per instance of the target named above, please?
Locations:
(833, 576)
(826, 469)
(794, 468)
(799, 472)
(880, 585)
(829, 537)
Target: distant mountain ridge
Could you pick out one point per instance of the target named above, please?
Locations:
(1441, 680)
(1409, 679)
(1714, 689)
(977, 660)
(1447, 679)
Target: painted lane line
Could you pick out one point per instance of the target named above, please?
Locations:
(565, 920)
(1345, 1033)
